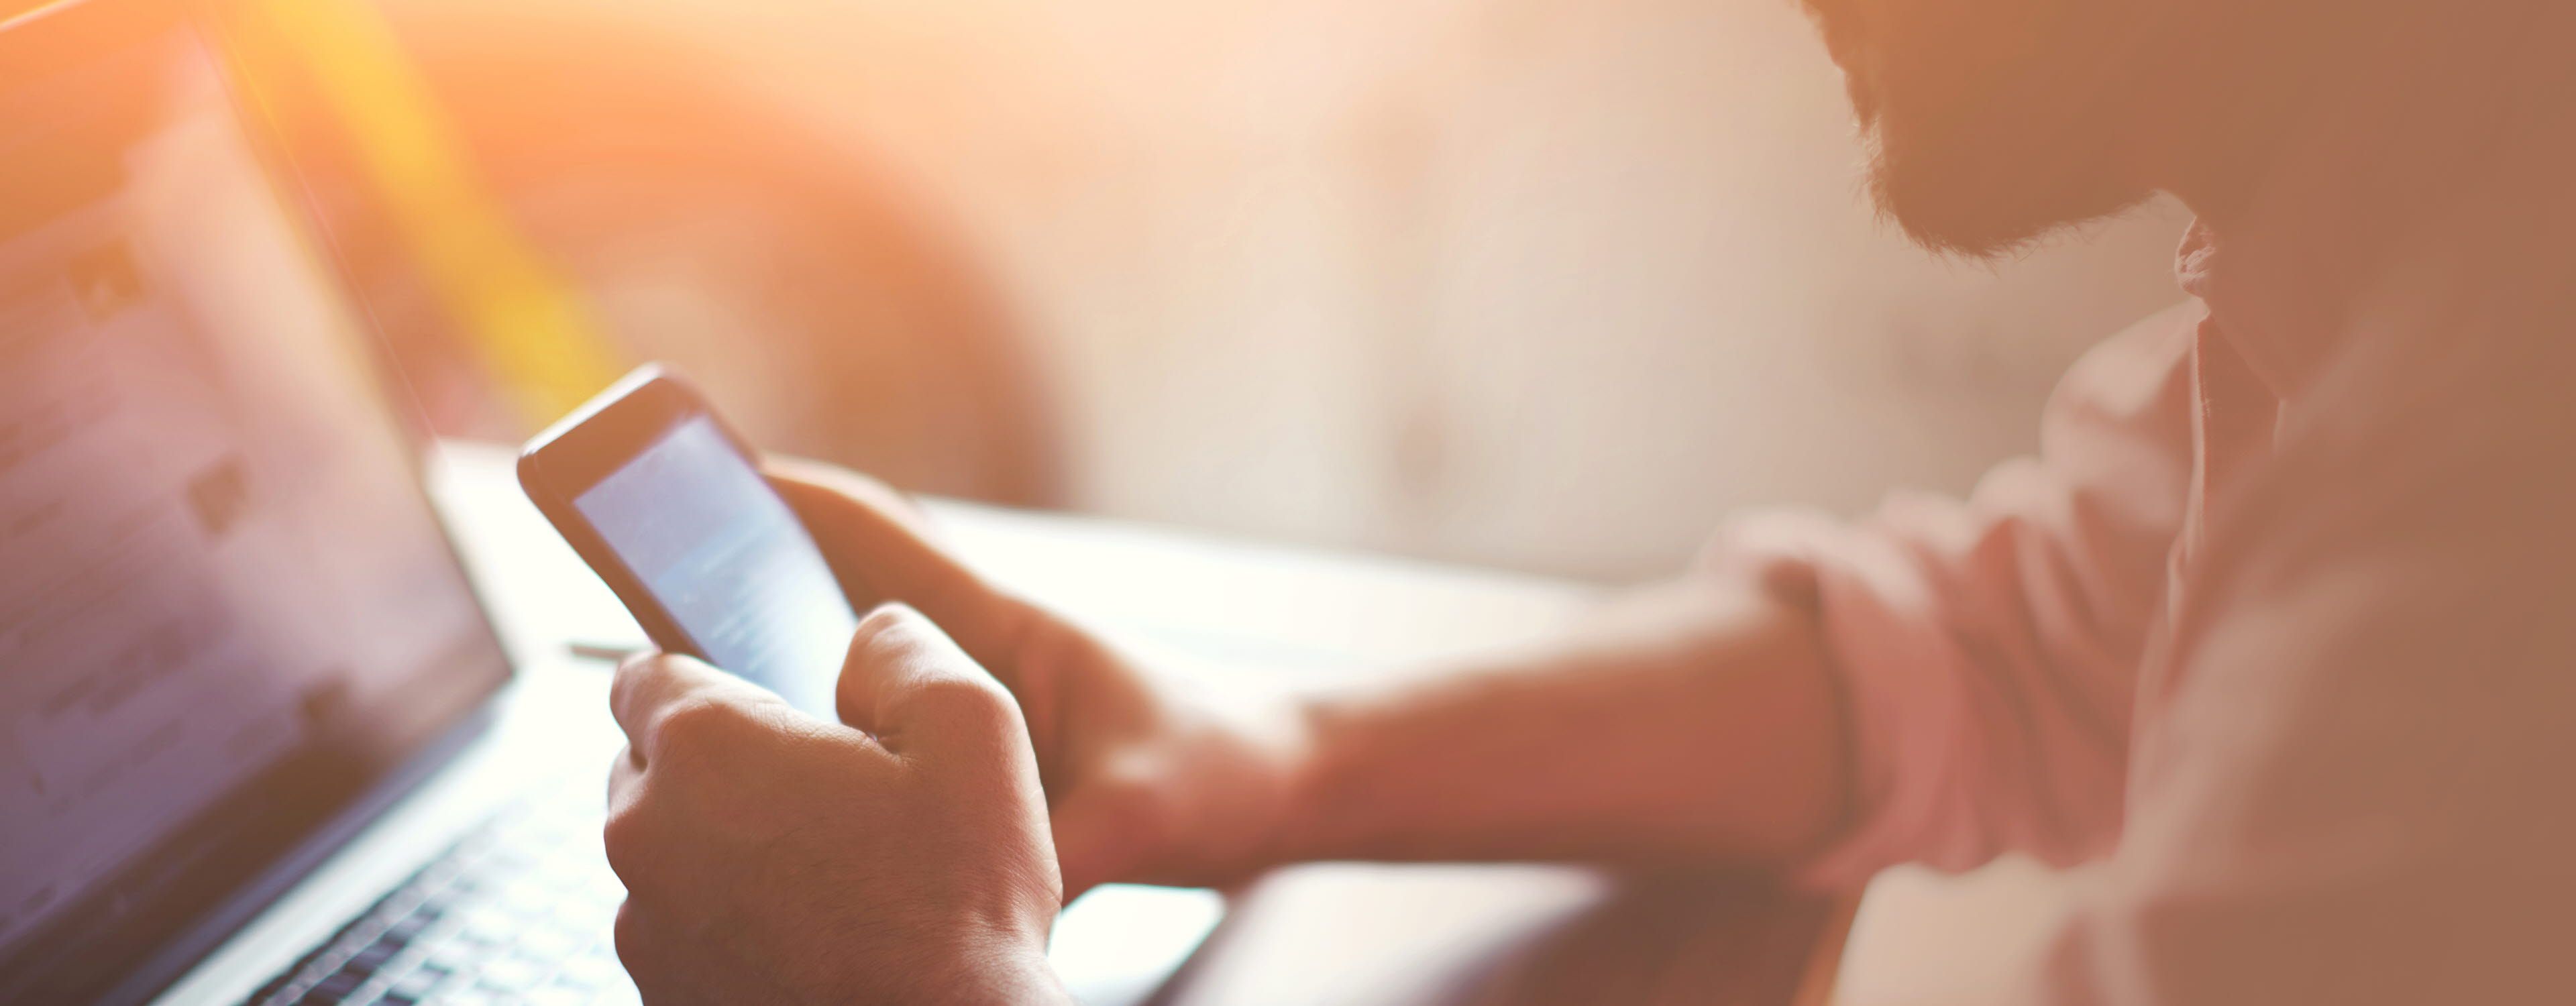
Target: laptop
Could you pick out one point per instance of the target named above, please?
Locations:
(260, 738)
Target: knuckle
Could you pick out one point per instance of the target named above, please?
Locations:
(960, 700)
(696, 723)
(622, 839)
(629, 934)
(634, 672)
(888, 627)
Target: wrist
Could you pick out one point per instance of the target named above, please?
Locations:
(1260, 802)
(1030, 981)
(1015, 976)
(1301, 779)
(1250, 803)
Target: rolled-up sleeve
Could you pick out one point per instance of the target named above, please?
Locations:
(1987, 647)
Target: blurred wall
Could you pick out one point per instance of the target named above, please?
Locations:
(1541, 283)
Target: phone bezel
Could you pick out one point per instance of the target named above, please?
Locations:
(602, 437)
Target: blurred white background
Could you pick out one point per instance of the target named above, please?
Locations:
(1536, 283)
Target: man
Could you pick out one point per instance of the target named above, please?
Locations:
(2276, 628)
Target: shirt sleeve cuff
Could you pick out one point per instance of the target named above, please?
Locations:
(1886, 653)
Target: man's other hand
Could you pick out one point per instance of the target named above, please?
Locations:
(1144, 781)
(771, 857)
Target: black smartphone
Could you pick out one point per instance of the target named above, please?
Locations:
(666, 501)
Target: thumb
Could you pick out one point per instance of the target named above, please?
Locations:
(882, 549)
(1088, 847)
(909, 685)
(649, 686)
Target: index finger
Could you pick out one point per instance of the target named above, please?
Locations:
(648, 683)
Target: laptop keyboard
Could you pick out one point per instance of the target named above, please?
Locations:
(518, 911)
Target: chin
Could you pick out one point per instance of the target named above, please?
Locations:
(1985, 190)
(1998, 122)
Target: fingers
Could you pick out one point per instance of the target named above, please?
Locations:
(912, 687)
(652, 688)
(882, 550)
(1081, 858)
(624, 774)
(878, 542)
(813, 487)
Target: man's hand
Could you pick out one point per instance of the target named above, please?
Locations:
(770, 857)
(1143, 782)
(1690, 723)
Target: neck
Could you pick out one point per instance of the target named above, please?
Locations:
(2422, 167)
(2391, 110)
(2256, 82)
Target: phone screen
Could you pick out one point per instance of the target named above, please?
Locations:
(728, 561)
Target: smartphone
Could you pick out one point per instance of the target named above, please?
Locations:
(666, 501)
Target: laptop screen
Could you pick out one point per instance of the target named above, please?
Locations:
(226, 607)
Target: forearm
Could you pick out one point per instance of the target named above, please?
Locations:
(1694, 722)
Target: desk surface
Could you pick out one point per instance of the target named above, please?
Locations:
(1256, 612)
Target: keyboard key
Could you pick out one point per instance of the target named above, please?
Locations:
(419, 983)
(454, 956)
(400, 934)
(558, 995)
(595, 969)
(333, 990)
(518, 910)
(485, 925)
(510, 974)
(530, 897)
(550, 942)
(439, 968)
(366, 962)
